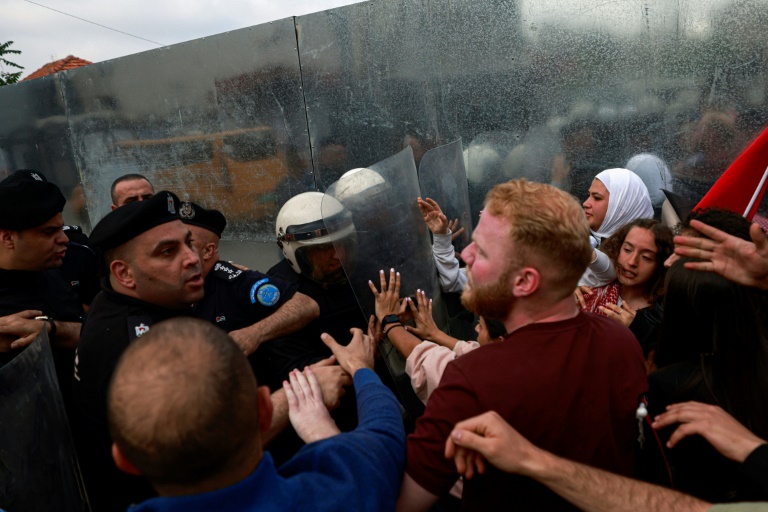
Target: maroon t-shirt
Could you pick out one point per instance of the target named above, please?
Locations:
(570, 387)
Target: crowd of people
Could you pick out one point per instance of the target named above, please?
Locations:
(616, 366)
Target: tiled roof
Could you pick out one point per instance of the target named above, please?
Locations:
(69, 62)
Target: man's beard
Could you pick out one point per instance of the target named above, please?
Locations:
(493, 301)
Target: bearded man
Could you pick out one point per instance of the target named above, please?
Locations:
(568, 381)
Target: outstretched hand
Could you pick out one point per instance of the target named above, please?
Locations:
(425, 328)
(388, 299)
(333, 381)
(719, 428)
(306, 409)
(436, 220)
(358, 354)
(489, 438)
(735, 259)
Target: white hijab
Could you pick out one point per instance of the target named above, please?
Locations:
(628, 200)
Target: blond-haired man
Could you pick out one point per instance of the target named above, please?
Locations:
(569, 381)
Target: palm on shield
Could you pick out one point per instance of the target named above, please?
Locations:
(389, 233)
(38, 466)
(442, 177)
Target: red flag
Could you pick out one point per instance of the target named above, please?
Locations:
(741, 187)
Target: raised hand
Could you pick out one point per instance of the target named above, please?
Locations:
(436, 220)
(306, 409)
(388, 299)
(733, 258)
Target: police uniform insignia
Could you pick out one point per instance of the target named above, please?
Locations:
(36, 176)
(265, 293)
(171, 206)
(138, 326)
(225, 271)
(187, 211)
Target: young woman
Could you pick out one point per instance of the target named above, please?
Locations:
(713, 349)
(638, 251)
(616, 197)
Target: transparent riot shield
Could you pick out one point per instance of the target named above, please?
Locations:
(38, 466)
(442, 177)
(389, 233)
(484, 162)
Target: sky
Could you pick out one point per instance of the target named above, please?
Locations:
(43, 35)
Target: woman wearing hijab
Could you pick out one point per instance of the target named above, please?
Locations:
(616, 197)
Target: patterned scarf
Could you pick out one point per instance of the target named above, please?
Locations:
(608, 294)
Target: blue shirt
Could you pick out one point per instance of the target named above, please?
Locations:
(358, 470)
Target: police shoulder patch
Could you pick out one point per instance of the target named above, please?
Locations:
(265, 293)
(226, 271)
(138, 326)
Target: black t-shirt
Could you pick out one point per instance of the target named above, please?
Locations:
(236, 298)
(114, 321)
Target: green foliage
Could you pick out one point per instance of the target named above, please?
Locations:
(7, 77)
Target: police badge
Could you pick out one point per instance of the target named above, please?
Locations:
(187, 211)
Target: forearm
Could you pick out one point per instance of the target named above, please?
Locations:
(595, 490)
(403, 341)
(290, 317)
(67, 334)
(280, 417)
(443, 339)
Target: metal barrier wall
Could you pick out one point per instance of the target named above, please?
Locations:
(551, 90)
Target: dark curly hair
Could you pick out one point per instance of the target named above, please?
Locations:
(724, 220)
(662, 235)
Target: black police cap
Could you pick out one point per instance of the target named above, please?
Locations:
(28, 200)
(127, 222)
(196, 215)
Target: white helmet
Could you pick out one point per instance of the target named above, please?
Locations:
(310, 219)
(358, 187)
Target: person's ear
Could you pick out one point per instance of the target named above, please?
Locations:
(122, 463)
(525, 282)
(209, 250)
(265, 408)
(7, 239)
(121, 271)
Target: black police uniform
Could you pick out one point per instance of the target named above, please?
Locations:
(236, 298)
(339, 311)
(113, 322)
(81, 271)
(48, 292)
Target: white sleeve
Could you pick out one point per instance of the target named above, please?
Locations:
(452, 278)
(600, 272)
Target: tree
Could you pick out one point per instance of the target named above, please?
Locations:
(6, 77)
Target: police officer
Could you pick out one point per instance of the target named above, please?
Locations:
(33, 291)
(154, 273)
(249, 305)
(314, 264)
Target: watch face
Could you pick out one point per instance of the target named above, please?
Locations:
(390, 319)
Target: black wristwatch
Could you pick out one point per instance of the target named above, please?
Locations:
(389, 319)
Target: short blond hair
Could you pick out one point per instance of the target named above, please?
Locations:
(548, 228)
